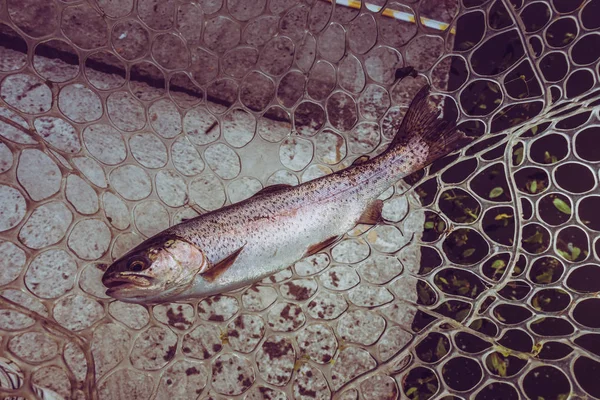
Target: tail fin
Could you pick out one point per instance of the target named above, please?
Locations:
(421, 123)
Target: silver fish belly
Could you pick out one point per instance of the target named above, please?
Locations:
(248, 241)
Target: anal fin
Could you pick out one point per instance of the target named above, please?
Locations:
(222, 266)
(372, 214)
(315, 248)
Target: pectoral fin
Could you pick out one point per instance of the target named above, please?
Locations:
(222, 266)
(315, 248)
(372, 215)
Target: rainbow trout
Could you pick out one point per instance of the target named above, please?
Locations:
(242, 243)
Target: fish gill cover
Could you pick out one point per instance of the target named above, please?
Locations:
(120, 118)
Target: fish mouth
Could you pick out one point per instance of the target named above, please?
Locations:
(118, 282)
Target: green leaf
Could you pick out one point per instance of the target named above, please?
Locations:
(545, 277)
(562, 206)
(464, 289)
(441, 226)
(537, 237)
(462, 314)
(496, 192)
(518, 155)
(533, 186)
(498, 364)
(411, 391)
(440, 349)
(534, 130)
(476, 325)
(564, 254)
(468, 253)
(492, 86)
(575, 253)
(423, 294)
(502, 216)
(429, 225)
(500, 317)
(536, 348)
(432, 388)
(538, 321)
(498, 264)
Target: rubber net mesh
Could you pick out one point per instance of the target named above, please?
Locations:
(119, 118)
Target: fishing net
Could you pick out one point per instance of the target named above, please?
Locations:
(121, 118)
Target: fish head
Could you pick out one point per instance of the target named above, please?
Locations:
(156, 269)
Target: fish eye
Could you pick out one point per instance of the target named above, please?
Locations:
(136, 265)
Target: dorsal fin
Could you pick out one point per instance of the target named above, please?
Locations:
(273, 188)
(372, 214)
(221, 266)
(403, 72)
(315, 248)
(361, 160)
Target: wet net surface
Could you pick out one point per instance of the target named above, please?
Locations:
(120, 118)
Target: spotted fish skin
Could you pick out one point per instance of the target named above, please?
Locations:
(276, 228)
